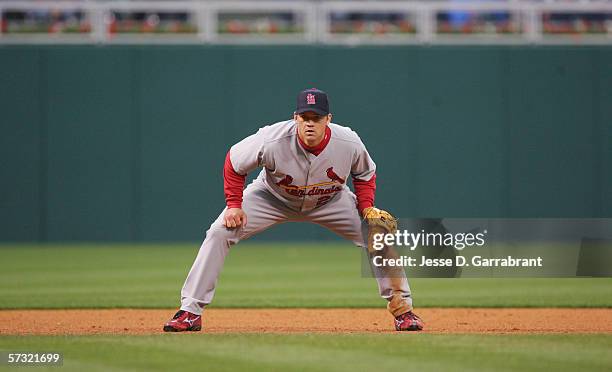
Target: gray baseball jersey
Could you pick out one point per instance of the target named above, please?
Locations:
(298, 178)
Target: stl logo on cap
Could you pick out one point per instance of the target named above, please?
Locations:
(310, 99)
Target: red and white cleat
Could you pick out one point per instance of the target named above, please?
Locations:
(408, 322)
(184, 321)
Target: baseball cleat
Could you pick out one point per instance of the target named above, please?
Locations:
(408, 322)
(183, 321)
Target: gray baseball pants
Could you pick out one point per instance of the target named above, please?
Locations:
(264, 210)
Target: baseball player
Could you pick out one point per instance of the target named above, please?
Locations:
(306, 163)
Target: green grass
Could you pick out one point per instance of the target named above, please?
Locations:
(255, 275)
(311, 352)
(282, 275)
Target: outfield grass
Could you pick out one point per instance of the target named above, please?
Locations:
(311, 352)
(255, 275)
(282, 275)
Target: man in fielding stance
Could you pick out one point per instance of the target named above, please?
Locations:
(306, 162)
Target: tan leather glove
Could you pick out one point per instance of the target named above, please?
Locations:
(379, 222)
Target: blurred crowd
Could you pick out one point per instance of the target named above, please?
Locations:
(276, 22)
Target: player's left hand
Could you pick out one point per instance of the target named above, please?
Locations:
(379, 222)
(378, 217)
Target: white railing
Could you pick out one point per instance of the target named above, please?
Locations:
(306, 22)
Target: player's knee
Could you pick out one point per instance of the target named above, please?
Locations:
(221, 234)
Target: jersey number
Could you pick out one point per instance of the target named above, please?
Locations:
(323, 200)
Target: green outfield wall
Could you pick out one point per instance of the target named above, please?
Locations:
(117, 143)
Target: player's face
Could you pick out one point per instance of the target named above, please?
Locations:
(311, 126)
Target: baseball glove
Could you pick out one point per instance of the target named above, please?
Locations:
(379, 221)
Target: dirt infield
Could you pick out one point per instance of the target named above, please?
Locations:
(461, 320)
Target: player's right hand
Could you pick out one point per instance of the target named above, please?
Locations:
(234, 217)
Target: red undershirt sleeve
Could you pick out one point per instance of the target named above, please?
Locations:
(365, 192)
(233, 184)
